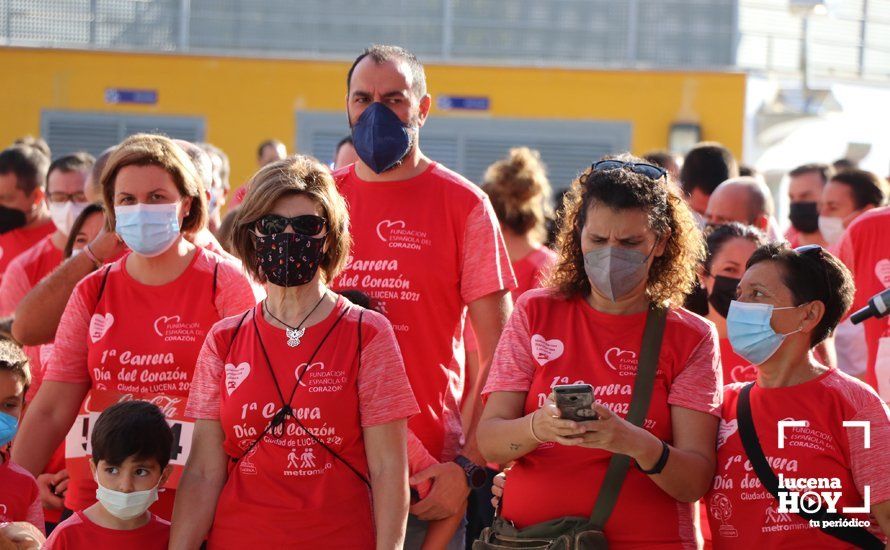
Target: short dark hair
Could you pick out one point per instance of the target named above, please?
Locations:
(36, 142)
(341, 143)
(812, 276)
(824, 170)
(28, 164)
(718, 235)
(381, 54)
(14, 360)
(842, 164)
(706, 166)
(75, 162)
(867, 188)
(266, 143)
(662, 158)
(747, 171)
(132, 428)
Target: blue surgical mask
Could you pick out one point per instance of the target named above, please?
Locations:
(750, 333)
(380, 138)
(147, 229)
(9, 425)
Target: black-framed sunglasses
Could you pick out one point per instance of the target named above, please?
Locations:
(649, 170)
(307, 224)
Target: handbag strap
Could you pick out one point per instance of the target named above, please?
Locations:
(639, 406)
(858, 536)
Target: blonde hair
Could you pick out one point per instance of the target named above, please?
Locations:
(296, 175)
(155, 150)
(520, 191)
(672, 275)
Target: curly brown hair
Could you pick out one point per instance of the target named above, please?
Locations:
(672, 275)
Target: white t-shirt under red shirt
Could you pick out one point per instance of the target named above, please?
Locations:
(551, 340)
(865, 249)
(423, 249)
(288, 488)
(129, 340)
(743, 515)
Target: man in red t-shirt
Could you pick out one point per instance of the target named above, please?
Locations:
(427, 246)
(65, 194)
(25, 218)
(865, 249)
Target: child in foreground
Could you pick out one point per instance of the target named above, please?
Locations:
(131, 445)
(19, 496)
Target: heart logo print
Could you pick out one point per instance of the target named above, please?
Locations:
(99, 325)
(743, 373)
(726, 430)
(385, 226)
(882, 270)
(545, 350)
(306, 368)
(162, 322)
(235, 375)
(615, 357)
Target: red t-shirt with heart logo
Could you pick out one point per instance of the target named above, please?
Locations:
(735, 369)
(865, 249)
(552, 340)
(138, 341)
(289, 488)
(423, 249)
(743, 515)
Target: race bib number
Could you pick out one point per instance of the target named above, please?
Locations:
(78, 449)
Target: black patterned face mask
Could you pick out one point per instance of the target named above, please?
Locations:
(288, 259)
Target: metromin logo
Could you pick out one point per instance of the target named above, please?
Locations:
(813, 495)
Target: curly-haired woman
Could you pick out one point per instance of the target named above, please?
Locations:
(627, 242)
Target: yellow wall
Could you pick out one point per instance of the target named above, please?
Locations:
(245, 101)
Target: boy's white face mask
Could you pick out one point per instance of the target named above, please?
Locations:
(126, 505)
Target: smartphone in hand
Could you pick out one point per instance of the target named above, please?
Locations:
(575, 402)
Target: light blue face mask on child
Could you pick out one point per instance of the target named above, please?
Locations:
(750, 333)
(147, 229)
(9, 425)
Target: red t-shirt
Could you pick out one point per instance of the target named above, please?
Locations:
(13, 243)
(19, 497)
(742, 514)
(25, 271)
(735, 369)
(138, 341)
(550, 340)
(78, 532)
(865, 249)
(423, 249)
(291, 489)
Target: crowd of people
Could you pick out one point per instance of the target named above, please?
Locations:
(378, 353)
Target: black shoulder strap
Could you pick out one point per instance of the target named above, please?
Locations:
(102, 286)
(639, 406)
(857, 536)
(215, 273)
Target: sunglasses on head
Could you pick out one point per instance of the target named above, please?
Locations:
(649, 170)
(307, 224)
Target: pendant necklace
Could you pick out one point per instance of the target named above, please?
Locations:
(295, 334)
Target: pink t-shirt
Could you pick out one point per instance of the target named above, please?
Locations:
(865, 249)
(78, 532)
(742, 514)
(289, 487)
(423, 249)
(550, 340)
(19, 497)
(25, 271)
(129, 340)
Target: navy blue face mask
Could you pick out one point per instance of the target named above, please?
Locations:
(380, 138)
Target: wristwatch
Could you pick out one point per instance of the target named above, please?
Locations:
(476, 475)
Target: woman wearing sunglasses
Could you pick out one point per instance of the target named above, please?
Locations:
(627, 242)
(302, 402)
(785, 432)
(133, 329)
